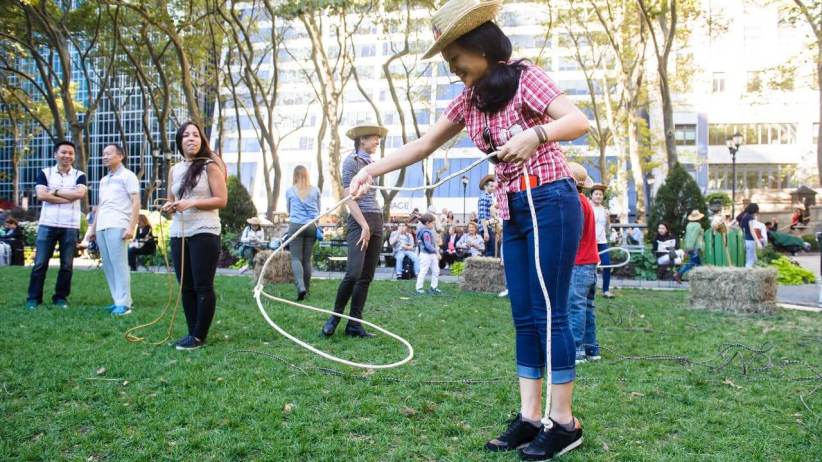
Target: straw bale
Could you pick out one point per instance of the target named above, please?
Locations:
(483, 274)
(279, 270)
(738, 290)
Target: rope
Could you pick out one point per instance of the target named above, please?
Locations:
(129, 334)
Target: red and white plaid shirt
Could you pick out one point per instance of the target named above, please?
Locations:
(528, 107)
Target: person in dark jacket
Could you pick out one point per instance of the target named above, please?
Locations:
(143, 243)
(665, 247)
(12, 235)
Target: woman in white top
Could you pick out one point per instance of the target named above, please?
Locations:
(601, 221)
(251, 240)
(196, 193)
(118, 207)
(472, 242)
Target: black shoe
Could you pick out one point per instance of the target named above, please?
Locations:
(552, 442)
(357, 331)
(519, 432)
(301, 296)
(190, 343)
(330, 326)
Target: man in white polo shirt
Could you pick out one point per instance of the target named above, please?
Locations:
(117, 210)
(60, 188)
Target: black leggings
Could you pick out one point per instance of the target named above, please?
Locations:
(360, 267)
(199, 300)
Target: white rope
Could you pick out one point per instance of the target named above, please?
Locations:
(260, 292)
(617, 265)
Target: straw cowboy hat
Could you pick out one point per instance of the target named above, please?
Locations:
(458, 17)
(599, 187)
(254, 221)
(366, 130)
(580, 175)
(484, 180)
(695, 215)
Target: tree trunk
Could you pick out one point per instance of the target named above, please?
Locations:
(636, 166)
(819, 125)
(667, 117)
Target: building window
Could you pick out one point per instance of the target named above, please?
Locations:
(752, 176)
(773, 133)
(368, 50)
(719, 82)
(449, 92)
(306, 143)
(685, 135)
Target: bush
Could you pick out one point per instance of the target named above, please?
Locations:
(674, 201)
(239, 207)
(811, 239)
(790, 273)
(457, 268)
(723, 197)
(765, 256)
(320, 256)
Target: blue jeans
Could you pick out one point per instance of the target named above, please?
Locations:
(581, 308)
(559, 216)
(400, 255)
(114, 253)
(605, 259)
(693, 260)
(47, 239)
(750, 253)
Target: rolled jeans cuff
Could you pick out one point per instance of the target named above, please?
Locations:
(536, 373)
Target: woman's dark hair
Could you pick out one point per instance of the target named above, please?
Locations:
(751, 209)
(667, 228)
(198, 164)
(497, 88)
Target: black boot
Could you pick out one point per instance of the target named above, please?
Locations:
(357, 330)
(330, 326)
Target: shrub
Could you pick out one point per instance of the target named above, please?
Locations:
(674, 201)
(239, 207)
(765, 256)
(457, 268)
(320, 256)
(723, 197)
(811, 239)
(790, 273)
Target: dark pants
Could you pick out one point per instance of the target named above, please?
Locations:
(301, 249)
(559, 217)
(199, 300)
(134, 252)
(360, 267)
(47, 239)
(605, 259)
(16, 258)
(491, 243)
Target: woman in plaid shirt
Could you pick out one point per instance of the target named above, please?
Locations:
(514, 108)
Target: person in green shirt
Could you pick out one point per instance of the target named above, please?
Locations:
(694, 244)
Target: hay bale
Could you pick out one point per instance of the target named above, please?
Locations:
(279, 269)
(738, 290)
(483, 274)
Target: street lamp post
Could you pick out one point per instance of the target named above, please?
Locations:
(464, 194)
(733, 144)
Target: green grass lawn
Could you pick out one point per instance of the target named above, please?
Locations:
(219, 403)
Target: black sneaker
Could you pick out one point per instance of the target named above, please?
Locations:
(519, 432)
(189, 343)
(552, 442)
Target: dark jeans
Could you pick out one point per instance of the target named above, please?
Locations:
(360, 267)
(491, 243)
(133, 253)
(301, 249)
(559, 217)
(16, 258)
(199, 300)
(605, 259)
(693, 260)
(47, 239)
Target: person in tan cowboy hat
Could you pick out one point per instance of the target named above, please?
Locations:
(485, 202)
(694, 243)
(363, 233)
(512, 108)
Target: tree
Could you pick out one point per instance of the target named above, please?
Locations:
(261, 92)
(239, 207)
(332, 66)
(676, 198)
(810, 12)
